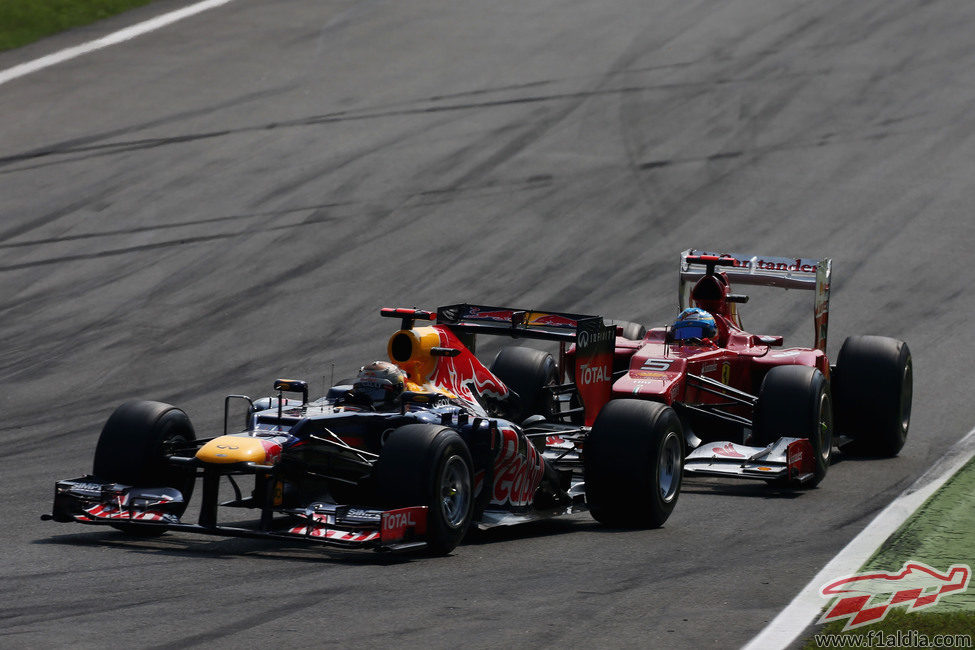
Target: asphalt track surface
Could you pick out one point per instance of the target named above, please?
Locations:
(233, 198)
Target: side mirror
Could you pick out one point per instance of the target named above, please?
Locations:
(292, 386)
(444, 352)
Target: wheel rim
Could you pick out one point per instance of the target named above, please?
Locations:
(669, 468)
(455, 491)
(907, 395)
(825, 425)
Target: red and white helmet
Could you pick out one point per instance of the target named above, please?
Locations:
(380, 382)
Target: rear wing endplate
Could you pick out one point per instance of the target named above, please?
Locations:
(768, 271)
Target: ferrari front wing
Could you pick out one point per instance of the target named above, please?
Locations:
(788, 459)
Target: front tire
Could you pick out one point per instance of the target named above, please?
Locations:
(634, 461)
(795, 402)
(427, 465)
(134, 447)
(874, 386)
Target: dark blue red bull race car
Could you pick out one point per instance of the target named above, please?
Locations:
(750, 408)
(408, 455)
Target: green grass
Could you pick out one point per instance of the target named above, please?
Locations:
(25, 21)
(939, 534)
(926, 624)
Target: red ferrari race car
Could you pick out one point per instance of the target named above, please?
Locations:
(408, 455)
(751, 408)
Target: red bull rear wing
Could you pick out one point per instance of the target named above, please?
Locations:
(594, 340)
(763, 270)
(520, 323)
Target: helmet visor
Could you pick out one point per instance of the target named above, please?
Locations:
(377, 390)
(690, 332)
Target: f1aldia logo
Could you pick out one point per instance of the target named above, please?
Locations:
(866, 598)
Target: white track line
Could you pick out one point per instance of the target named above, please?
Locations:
(804, 608)
(112, 39)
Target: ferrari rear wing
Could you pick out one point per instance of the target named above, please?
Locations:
(764, 270)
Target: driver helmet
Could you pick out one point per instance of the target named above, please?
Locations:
(380, 383)
(694, 323)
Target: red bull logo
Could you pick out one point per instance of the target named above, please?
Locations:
(506, 316)
(552, 320)
(465, 376)
(501, 315)
(866, 598)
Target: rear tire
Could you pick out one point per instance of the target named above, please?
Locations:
(530, 373)
(133, 449)
(428, 465)
(795, 402)
(629, 329)
(874, 385)
(634, 461)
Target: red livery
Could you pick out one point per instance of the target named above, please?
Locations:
(751, 396)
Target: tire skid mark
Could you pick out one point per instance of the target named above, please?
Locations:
(84, 142)
(169, 226)
(58, 214)
(27, 578)
(740, 153)
(158, 245)
(332, 166)
(544, 121)
(230, 306)
(790, 145)
(144, 144)
(72, 608)
(247, 621)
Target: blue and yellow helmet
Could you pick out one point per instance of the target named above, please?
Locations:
(694, 323)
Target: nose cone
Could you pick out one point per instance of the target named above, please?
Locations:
(239, 449)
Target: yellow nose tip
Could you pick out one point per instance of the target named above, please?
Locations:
(233, 449)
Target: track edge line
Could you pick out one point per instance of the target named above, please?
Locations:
(801, 612)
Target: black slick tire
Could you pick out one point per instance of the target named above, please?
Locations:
(795, 402)
(633, 460)
(428, 465)
(873, 385)
(529, 373)
(629, 329)
(133, 449)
